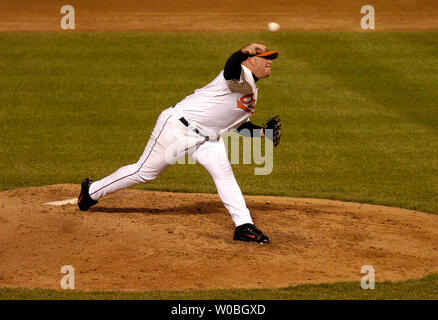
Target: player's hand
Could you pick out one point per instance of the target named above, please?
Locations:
(254, 48)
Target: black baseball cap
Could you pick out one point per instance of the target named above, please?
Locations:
(271, 55)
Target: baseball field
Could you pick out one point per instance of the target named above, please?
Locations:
(354, 180)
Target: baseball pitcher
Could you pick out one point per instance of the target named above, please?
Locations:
(194, 126)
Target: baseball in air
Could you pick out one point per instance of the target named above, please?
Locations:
(273, 26)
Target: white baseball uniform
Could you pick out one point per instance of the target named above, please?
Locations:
(220, 106)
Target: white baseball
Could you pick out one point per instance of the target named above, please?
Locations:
(273, 26)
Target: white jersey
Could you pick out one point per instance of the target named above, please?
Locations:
(214, 109)
(222, 105)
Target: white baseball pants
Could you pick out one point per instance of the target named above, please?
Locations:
(169, 141)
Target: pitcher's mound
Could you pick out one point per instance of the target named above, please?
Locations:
(145, 240)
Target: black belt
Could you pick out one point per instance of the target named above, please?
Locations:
(184, 122)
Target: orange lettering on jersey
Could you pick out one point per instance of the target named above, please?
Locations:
(241, 106)
(247, 103)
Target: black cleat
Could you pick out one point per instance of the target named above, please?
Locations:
(84, 199)
(249, 232)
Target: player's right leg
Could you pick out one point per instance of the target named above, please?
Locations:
(150, 165)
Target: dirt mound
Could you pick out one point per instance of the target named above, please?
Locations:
(218, 15)
(144, 240)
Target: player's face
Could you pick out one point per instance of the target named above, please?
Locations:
(261, 67)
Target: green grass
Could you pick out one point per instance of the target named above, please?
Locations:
(359, 114)
(359, 110)
(418, 289)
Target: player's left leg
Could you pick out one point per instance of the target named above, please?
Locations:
(212, 155)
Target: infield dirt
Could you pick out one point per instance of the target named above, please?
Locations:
(144, 240)
(218, 15)
(147, 240)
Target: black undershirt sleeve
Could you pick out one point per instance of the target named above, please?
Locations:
(233, 68)
(252, 130)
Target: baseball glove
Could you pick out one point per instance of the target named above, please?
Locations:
(272, 130)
